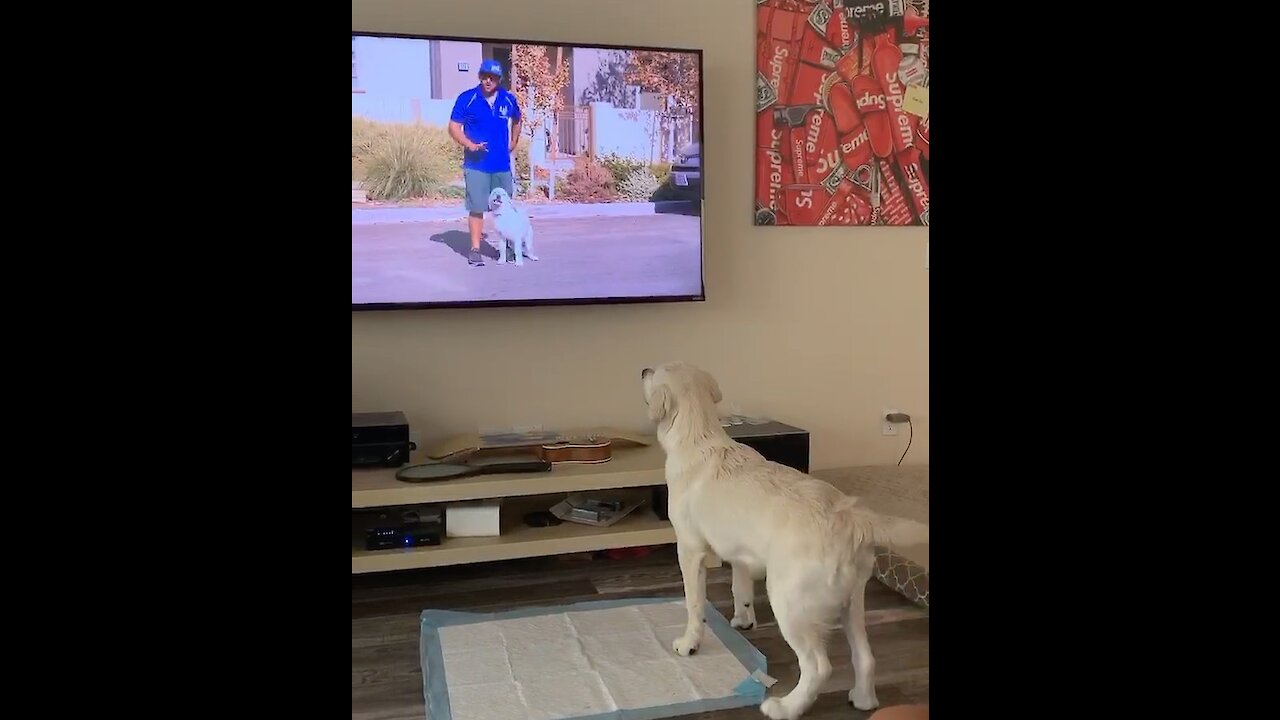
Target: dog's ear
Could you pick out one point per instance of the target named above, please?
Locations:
(712, 386)
(659, 403)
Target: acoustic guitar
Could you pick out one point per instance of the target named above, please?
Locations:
(583, 450)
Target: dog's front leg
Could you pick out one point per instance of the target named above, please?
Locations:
(695, 596)
(744, 590)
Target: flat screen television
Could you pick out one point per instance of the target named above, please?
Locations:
(579, 165)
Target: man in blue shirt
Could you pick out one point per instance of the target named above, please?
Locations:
(486, 123)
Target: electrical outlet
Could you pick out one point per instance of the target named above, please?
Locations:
(886, 427)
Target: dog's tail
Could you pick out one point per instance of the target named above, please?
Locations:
(888, 531)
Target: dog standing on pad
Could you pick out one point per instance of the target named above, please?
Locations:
(813, 545)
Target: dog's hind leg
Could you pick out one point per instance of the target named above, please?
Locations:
(744, 589)
(808, 640)
(528, 244)
(863, 694)
(517, 249)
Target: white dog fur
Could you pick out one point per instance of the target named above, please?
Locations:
(513, 226)
(811, 543)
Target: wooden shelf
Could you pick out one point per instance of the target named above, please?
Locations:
(630, 467)
(518, 540)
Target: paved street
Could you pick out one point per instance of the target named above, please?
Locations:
(638, 255)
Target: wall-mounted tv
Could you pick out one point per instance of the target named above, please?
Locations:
(491, 171)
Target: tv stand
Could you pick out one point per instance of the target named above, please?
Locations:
(630, 468)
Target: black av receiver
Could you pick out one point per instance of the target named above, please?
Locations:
(379, 439)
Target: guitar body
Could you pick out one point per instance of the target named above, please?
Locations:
(587, 450)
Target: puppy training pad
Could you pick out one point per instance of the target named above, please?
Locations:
(601, 660)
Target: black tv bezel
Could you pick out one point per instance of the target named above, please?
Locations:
(557, 302)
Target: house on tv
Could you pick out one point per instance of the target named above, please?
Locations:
(409, 80)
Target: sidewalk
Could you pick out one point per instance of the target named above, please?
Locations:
(380, 216)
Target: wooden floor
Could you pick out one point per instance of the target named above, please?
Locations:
(386, 680)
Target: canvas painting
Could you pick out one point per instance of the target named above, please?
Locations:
(842, 112)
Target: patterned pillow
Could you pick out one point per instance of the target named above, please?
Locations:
(903, 575)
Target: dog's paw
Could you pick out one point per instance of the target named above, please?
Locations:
(532, 257)
(685, 646)
(776, 709)
(863, 700)
(743, 618)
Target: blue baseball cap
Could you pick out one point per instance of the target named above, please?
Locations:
(493, 67)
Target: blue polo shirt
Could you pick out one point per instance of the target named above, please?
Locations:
(481, 123)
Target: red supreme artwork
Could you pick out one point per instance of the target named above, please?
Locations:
(842, 112)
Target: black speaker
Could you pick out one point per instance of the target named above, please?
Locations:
(379, 439)
(776, 441)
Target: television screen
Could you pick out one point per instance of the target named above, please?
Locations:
(487, 171)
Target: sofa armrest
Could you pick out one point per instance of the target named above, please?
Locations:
(901, 491)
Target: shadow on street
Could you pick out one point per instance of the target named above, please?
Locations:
(460, 242)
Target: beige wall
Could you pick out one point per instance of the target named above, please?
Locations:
(452, 80)
(818, 327)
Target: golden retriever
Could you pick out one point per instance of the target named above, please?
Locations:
(813, 544)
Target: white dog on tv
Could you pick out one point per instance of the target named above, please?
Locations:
(813, 544)
(513, 227)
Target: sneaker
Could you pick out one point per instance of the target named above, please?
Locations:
(476, 258)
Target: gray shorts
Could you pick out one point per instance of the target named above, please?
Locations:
(480, 184)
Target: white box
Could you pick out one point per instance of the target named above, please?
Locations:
(478, 518)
